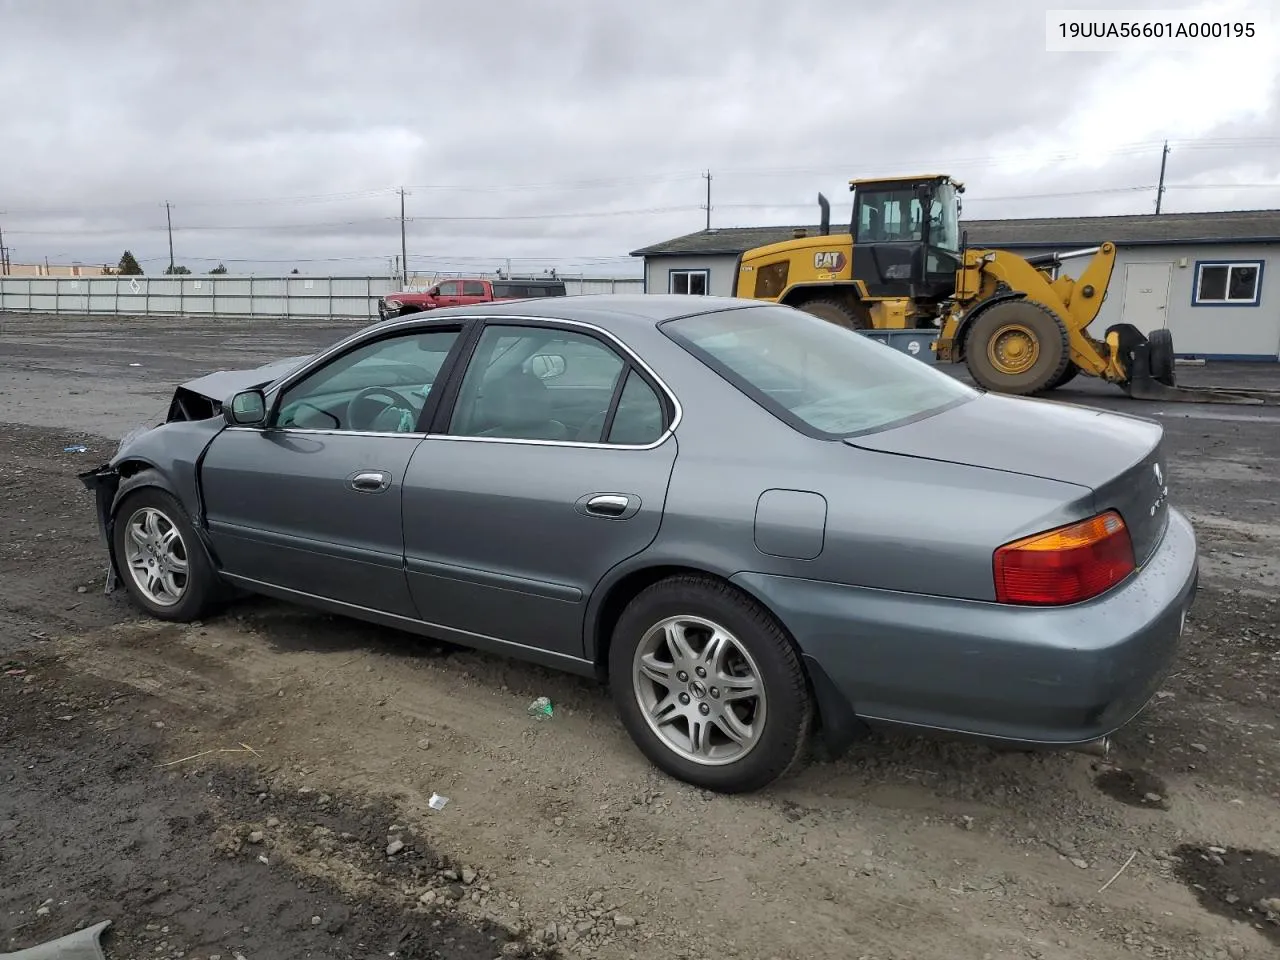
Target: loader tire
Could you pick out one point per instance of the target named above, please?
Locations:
(1160, 356)
(1017, 347)
(833, 311)
(1068, 375)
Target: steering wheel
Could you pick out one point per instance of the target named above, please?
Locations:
(398, 401)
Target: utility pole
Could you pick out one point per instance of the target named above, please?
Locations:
(168, 217)
(4, 256)
(1164, 156)
(404, 250)
(707, 176)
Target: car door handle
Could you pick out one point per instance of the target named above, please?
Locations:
(369, 481)
(608, 505)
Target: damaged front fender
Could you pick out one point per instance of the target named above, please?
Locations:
(103, 482)
(168, 457)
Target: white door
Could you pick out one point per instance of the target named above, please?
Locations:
(1146, 295)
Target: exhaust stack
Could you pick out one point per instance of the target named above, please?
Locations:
(825, 206)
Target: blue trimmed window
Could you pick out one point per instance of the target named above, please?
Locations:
(1227, 283)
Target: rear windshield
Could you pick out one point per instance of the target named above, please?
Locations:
(821, 378)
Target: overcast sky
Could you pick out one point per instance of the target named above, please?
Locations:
(280, 130)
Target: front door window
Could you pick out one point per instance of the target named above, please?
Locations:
(380, 387)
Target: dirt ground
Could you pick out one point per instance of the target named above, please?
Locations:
(259, 785)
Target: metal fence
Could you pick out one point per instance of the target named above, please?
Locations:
(226, 296)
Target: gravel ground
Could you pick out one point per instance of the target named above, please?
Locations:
(258, 785)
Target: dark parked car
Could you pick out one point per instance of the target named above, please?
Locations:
(749, 521)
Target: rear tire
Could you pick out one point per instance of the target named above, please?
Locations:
(1017, 347)
(833, 311)
(750, 701)
(1160, 356)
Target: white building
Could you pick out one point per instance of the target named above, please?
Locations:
(1212, 279)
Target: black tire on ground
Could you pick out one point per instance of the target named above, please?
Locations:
(788, 704)
(1160, 356)
(833, 311)
(1053, 350)
(1068, 375)
(200, 588)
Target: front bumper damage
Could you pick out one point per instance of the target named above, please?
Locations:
(103, 482)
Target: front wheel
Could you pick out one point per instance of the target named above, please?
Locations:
(709, 686)
(162, 562)
(1018, 347)
(1069, 374)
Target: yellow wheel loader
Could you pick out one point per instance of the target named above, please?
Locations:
(904, 265)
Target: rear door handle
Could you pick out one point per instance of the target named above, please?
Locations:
(610, 506)
(369, 481)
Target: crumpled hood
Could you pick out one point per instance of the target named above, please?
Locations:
(222, 384)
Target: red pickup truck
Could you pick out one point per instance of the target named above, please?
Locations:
(454, 293)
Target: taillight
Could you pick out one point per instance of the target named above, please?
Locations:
(1065, 565)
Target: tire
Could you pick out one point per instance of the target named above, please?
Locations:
(833, 311)
(179, 598)
(784, 712)
(1033, 327)
(1160, 356)
(1068, 375)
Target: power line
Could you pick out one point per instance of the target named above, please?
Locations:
(648, 211)
(593, 214)
(659, 177)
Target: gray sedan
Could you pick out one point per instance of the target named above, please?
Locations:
(749, 522)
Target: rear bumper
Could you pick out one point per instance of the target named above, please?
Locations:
(1058, 676)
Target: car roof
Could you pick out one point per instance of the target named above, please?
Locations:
(608, 310)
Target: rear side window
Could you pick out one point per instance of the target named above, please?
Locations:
(473, 288)
(638, 419)
(821, 378)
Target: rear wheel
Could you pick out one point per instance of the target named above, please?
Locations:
(1017, 347)
(709, 686)
(1160, 356)
(833, 311)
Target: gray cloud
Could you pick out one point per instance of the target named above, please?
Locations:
(289, 125)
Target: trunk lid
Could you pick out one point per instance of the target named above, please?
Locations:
(1120, 458)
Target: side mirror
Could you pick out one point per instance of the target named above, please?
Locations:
(545, 366)
(245, 409)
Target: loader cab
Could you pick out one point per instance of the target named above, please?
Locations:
(906, 236)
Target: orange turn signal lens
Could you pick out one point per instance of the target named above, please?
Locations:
(1065, 565)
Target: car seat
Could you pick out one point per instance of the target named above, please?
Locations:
(518, 405)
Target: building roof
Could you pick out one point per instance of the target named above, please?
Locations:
(1234, 226)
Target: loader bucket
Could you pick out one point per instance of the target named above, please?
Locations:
(1149, 369)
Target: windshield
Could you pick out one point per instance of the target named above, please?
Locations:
(944, 218)
(820, 378)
